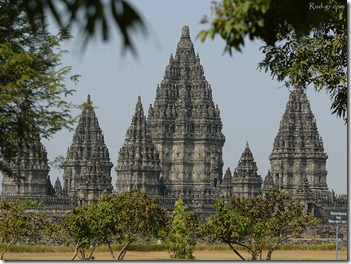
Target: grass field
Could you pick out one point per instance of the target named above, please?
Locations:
(200, 255)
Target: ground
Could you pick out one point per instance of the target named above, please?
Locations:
(200, 255)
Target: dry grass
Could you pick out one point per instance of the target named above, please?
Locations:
(200, 255)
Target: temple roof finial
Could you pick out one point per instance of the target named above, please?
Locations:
(185, 32)
(88, 100)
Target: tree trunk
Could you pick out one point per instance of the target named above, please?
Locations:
(111, 251)
(269, 254)
(235, 251)
(75, 252)
(270, 251)
(123, 251)
(92, 252)
(82, 253)
(6, 248)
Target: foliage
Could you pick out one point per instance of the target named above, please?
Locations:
(32, 90)
(91, 17)
(306, 41)
(319, 59)
(137, 218)
(268, 20)
(16, 224)
(226, 226)
(258, 223)
(58, 162)
(125, 218)
(178, 239)
(90, 227)
(78, 226)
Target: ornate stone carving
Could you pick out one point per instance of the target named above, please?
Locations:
(87, 168)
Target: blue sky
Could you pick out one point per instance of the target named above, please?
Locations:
(251, 103)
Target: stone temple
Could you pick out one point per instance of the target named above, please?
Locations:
(176, 152)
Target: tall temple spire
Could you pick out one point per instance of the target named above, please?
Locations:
(186, 124)
(298, 151)
(138, 164)
(246, 182)
(87, 171)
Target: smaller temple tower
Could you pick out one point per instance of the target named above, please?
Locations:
(298, 153)
(58, 187)
(138, 162)
(30, 167)
(87, 168)
(246, 182)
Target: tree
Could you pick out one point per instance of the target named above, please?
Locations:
(77, 227)
(32, 90)
(306, 41)
(89, 227)
(18, 224)
(125, 218)
(137, 218)
(319, 59)
(178, 239)
(226, 226)
(91, 17)
(102, 224)
(262, 222)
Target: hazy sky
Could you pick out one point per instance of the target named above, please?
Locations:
(251, 103)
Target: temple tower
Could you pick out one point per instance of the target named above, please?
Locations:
(30, 166)
(246, 182)
(58, 187)
(138, 163)
(185, 123)
(87, 168)
(298, 151)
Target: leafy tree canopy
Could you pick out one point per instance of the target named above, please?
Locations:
(306, 41)
(137, 218)
(125, 218)
(33, 96)
(262, 222)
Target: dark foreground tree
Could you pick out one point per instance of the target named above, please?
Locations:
(91, 17)
(306, 41)
(32, 89)
(262, 222)
(319, 59)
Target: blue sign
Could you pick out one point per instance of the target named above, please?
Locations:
(337, 217)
